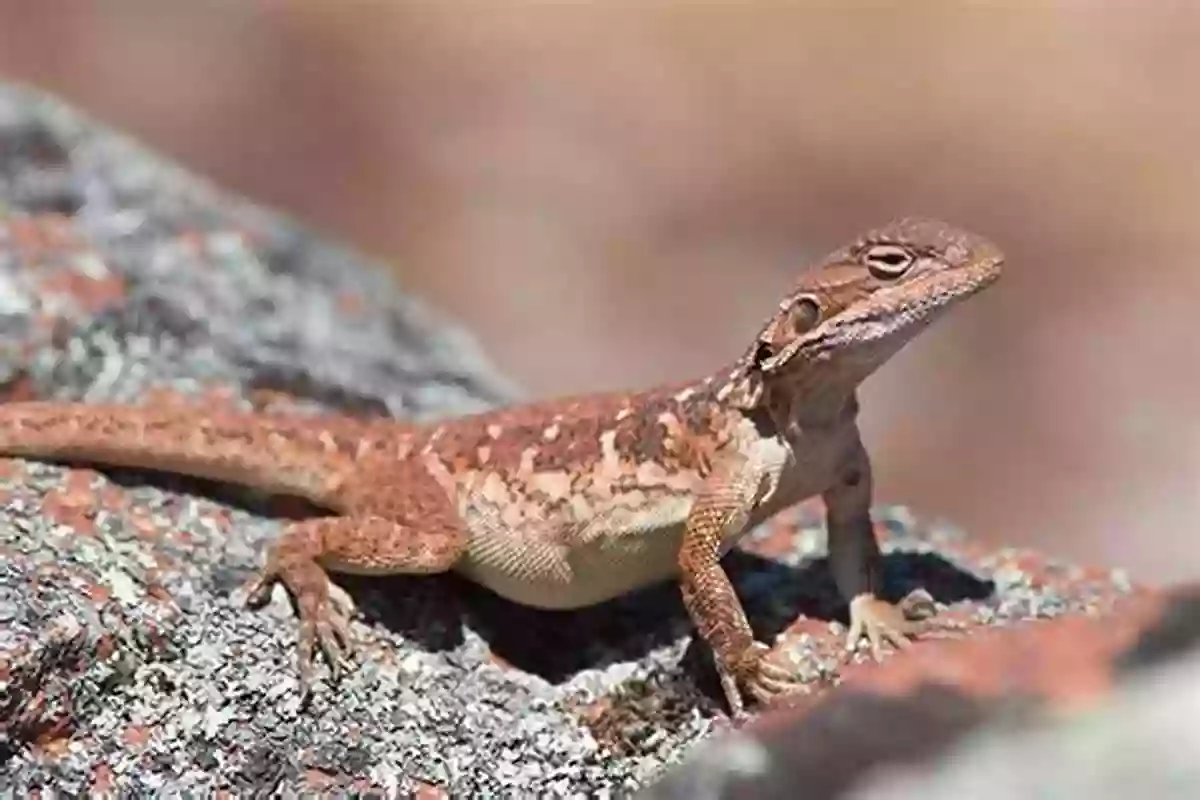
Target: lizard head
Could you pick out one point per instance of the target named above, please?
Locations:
(860, 305)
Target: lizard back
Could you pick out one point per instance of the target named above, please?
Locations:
(573, 503)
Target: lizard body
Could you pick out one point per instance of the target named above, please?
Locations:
(569, 502)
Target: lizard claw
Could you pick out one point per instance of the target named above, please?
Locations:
(762, 677)
(329, 632)
(772, 679)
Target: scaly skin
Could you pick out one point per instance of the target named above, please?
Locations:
(569, 502)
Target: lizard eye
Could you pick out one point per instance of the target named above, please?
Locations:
(888, 260)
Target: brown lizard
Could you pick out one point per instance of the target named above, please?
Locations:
(565, 503)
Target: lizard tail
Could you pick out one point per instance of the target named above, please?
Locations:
(281, 455)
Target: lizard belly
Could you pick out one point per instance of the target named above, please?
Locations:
(616, 551)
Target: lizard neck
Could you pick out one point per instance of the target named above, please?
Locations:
(818, 399)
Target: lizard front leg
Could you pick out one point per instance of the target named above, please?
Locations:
(720, 509)
(854, 558)
(712, 604)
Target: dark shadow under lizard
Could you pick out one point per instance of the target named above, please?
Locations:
(555, 645)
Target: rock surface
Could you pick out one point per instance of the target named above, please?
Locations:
(128, 663)
(1092, 705)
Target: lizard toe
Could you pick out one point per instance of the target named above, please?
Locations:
(337, 646)
(331, 650)
(327, 635)
(340, 626)
(768, 687)
(774, 675)
(304, 659)
(323, 629)
(258, 590)
(737, 675)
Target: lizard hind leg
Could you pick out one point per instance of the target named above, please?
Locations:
(363, 545)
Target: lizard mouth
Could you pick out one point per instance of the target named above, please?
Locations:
(905, 309)
(930, 293)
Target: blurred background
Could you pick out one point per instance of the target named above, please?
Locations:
(614, 194)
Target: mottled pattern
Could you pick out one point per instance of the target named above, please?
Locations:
(577, 501)
(566, 503)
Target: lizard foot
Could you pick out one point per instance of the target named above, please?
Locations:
(760, 675)
(322, 626)
(881, 622)
(363, 544)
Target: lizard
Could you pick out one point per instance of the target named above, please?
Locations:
(564, 503)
